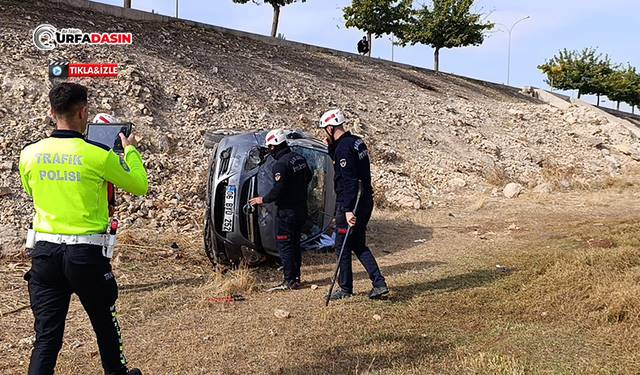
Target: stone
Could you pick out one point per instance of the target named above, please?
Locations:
(314, 287)
(623, 149)
(6, 165)
(217, 103)
(404, 199)
(4, 191)
(570, 118)
(281, 314)
(377, 317)
(512, 190)
(457, 183)
(542, 188)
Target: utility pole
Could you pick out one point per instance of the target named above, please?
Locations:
(176, 8)
(509, 53)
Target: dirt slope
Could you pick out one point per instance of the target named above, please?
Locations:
(176, 82)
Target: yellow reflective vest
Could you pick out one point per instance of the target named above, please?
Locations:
(67, 178)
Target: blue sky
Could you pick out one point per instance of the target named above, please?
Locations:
(613, 26)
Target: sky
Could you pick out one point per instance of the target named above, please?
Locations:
(611, 26)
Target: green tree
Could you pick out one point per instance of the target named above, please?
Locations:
(276, 4)
(377, 17)
(447, 24)
(623, 85)
(585, 71)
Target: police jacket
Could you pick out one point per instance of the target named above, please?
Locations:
(350, 163)
(67, 177)
(291, 176)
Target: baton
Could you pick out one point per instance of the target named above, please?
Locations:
(346, 237)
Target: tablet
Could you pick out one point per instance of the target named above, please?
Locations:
(108, 134)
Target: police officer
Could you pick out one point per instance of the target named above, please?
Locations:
(352, 167)
(67, 177)
(291, 177)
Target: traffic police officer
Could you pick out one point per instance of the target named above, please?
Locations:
(67, 177)
(351, 164)
(291, 175)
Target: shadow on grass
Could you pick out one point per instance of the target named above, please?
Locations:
(194, 281)
(388, 350)
(450, 284)
(387, 270)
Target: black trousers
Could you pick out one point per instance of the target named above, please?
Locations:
(57, 271)
(289, 224)
(356, 243)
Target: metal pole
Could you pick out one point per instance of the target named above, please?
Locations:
(176, 8)
(509, 30)
(509, 59)
(392, 47)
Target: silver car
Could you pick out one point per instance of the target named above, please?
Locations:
(240, 169)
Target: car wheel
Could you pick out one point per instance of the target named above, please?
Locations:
(214, 136)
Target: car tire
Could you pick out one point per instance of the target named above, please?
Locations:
(214, 136)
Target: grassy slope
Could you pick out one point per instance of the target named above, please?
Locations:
(563, 308)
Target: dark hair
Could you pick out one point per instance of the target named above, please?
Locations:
(67, 98)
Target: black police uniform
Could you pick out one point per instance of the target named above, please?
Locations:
(291, 175)
(351, 164)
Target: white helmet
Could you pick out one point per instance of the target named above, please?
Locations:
(275, 137)
(104, 118)
(332, 118)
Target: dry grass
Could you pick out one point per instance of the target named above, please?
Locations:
(241, 281)
(563, 308)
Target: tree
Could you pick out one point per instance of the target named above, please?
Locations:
(585, 71)
(377, 17)
(127, 3)
(448, 24)
(276, 4)
(623, 85)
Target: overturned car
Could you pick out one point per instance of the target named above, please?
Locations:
(240, 169)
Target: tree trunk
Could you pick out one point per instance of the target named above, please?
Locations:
(598, 103)
(370, 43)
(579, 93)
(436, 57)
(127, 4)
(618, 106)
(276, 17)
(633, 108)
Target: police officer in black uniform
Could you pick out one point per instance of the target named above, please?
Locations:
(352, 168)
(291, 175)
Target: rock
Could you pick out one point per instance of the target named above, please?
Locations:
(614, 163)
(217, 103)
(377, 317)
(404, 199)
(314, 287)
(163, 143)
(570, 118)
(4, 191)
(623, 149)
(281, 314)
(542, 188)
(457, 183)
(512, 190)
(6, 165)
(603, 243)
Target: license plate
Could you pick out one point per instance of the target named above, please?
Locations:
(229, 203)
